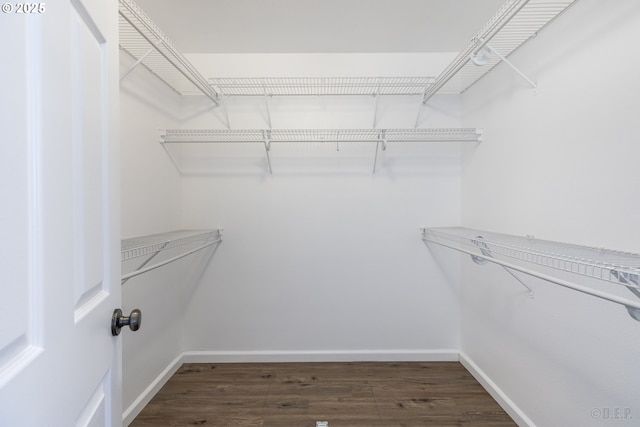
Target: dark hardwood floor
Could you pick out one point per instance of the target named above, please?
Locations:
(390, 394)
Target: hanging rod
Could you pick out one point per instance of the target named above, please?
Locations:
(141, 38)
(150, 247)
(320, 86)
(512, 25)
(620, 268)
(321, 135)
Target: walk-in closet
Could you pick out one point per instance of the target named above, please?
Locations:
(321, 213)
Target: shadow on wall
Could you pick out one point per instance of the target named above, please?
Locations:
(330, 158)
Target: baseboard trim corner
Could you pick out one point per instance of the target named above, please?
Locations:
(145, 397)
(492, 388)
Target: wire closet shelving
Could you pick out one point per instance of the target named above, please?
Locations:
(142, 254)
(512, 25)
(268, 137)
(320, 86)
(141, 38)
(534, 256)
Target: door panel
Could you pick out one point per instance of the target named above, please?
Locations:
(59, 364)
(88, 82)
(94, 414)
(19, 315)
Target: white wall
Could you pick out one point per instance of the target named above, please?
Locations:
(561, 165)
(322, 260)
(150, 182)
(150, 204)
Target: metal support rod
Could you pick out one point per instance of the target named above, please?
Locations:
(267, 148)
(519, 280)
(226, 112)
(138, 62)
(415, 126)
(266, 101)
(593, 292)
(146, 261)
(384, 147)
(165, 262)
(513, 67)
(375, 159)
(375, 110)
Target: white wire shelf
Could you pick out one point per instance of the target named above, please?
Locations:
(381, 137)
(164, 248)
(525, 253)
(141, 38)
(321, 135)
(320, 86)
(512, 25)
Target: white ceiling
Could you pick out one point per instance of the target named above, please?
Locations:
(319, 26)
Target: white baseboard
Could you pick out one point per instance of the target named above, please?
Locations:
(447, 355)
(145, 397)
(503, 400)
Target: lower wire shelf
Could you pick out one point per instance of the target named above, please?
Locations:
(532, 256)
(142, 254)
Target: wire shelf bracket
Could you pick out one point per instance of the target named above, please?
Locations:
(268, 137)
(511, 26)
(141, 38)
(528, 254)
(178, 243)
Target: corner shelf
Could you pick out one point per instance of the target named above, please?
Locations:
(381, 137)
(524, 254)
(163, 248)
(141, 38)
(512, 25)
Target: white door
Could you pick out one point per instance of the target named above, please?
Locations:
(59, 214)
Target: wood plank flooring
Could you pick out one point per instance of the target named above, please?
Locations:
(404, 394)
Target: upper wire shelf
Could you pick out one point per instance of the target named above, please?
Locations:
(512, 25)
(322, 135)
(319, 86)
(620, 268)
(141, 38)
(138, 252)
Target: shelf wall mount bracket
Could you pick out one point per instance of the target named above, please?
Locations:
(483, 55)
(381, 140)
(484, 249)
(632, 281)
